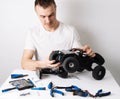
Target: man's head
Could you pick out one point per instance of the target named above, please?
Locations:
(46, 11)
(45, 3)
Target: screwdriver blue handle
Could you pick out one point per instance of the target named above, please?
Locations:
(17, 75)
(58, 91)
(8, 89)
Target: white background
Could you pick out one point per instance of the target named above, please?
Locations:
(98, 22)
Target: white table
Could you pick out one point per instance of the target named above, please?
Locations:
(85, 82)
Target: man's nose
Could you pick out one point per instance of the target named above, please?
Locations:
(47, 20)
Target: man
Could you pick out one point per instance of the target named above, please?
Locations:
(50, 35)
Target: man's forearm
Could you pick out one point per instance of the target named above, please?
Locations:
(31, 64)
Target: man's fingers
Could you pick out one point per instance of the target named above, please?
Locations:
(88, 50)
(51, 62)
(54, 65)
(85, 48)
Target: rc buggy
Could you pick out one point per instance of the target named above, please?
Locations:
(75, 60)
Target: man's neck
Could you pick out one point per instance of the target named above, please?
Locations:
(53, 28)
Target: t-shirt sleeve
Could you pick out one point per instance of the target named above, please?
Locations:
(29, 44)
(76, 39)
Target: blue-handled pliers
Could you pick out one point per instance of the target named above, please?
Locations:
(72, 88)
(77, 91)
(100, 94)
(52, 91)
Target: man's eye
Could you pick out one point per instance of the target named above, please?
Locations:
(42, 16)
(51, 15)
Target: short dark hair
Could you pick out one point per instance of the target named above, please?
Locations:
(45, 3)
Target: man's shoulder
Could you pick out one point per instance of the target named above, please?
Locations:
(35, 27)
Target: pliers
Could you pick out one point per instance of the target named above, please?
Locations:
(100, 94)
(54, 90)
(77, 91)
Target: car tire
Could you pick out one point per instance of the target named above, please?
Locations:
(62, 73)
(70, 64)
(53, 55)
(98, 72)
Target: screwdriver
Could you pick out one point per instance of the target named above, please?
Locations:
(13, 76)
(8, 89)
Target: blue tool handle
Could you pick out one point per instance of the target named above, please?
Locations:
(98, 92)
(38, 88)
(58, 91)
(17, 75)
(85, 94)
(50, 85)
(104, 94)
(51, 93)
(8, 89)
(75, 88)
(31, 81)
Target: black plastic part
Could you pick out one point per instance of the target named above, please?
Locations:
(99, 59)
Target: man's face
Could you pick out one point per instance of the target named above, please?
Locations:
(47, 16)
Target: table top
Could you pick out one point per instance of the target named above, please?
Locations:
(83, 80)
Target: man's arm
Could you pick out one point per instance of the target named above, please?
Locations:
(29, 64)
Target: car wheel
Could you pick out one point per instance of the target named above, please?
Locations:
(62, 73)
(70, 64)
(53, 55)
(98, 72)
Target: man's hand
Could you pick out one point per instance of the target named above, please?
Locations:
(88, 50)
(49, 64)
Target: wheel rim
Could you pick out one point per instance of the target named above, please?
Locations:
(71, 65)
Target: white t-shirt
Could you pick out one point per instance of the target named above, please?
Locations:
(44, 42)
